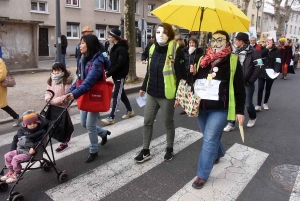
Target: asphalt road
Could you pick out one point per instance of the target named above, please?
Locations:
(264, 168)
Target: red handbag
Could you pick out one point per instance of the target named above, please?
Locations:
(98, 98)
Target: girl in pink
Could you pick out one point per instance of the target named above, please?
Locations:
(59, 82)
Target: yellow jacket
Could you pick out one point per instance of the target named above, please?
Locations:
(3, 90)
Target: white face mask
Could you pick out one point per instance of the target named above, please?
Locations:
(218, 42)
(191, 50)
(161, 37)
(252, 44)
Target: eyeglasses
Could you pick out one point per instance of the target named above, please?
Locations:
(217, 40)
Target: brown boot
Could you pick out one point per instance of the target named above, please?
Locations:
(284, 76)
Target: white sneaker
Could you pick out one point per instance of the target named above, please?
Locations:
(266, 107)
(228, 128)
(17, 122)
(251, 123)
(128, 114)
(257, 108)
(108, 121)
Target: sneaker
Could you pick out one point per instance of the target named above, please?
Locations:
(251, 123)
(258, 108)
(108, 121)
(13, 178)
(128, 114)
(61, 147)
(266, 107)
(198, 183)
(143, 156)
(228, 128)
(17, 121)
(7, 176)
(169, 154)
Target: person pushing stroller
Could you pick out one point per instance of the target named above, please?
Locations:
(32, 131)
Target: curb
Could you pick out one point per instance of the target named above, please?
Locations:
(30, 70)
(128, 92)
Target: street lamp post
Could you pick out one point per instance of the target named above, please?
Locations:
(258, 5)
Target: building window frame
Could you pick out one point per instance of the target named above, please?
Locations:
(252, 19)
(111, 5)
(72, 3)
(98, 4)
(38, 6)
(258, 21)
(150, 7)
(73, 27)
(136, 7)
(253, 4)
(295, 30)
(100, 30)
(291, 29)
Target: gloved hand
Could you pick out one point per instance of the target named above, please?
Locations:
(258, 62)
(104, 54)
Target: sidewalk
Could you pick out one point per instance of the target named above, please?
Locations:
(31, 85)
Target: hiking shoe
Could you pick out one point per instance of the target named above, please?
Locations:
(228, 128)
(251, 123)
(13, 178)
(7, 176)
(198, 183)
(17, 122)
(258, 108)
(128, 114)
(61, 147)
(265, 106)
(143, 156)
(169, 154)
(108, 121)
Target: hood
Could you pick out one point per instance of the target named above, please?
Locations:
(70, 79)
(123, 43)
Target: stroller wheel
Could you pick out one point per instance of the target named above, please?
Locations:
(18, 197)
(63, 177)
(3, 187)
(14, 193)
(45, 166)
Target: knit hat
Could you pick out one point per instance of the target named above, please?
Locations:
(116, 33)
(242, 36)
(29, 117)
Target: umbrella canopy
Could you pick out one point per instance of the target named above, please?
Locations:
(203, 15)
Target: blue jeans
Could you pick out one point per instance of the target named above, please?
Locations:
(249, 102)
(211, 123)
(63, 59)
(89, 121)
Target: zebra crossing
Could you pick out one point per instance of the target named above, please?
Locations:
(227, 180)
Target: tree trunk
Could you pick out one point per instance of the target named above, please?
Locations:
(129, 29)
(246, 5)
(202, 40)
(282, 17)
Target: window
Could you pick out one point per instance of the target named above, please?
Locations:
(292, 18)
(100, 4)
(253, 4)
(296, 18)
(73, 30)
(252, 20)
(291, 29)
(299, 31)
(113, 5)
(39, 7)
(150, 8)
(72, 3)
(271, 18)
(295, 30)
(136, 7)
(100, 32)
(286, 29)
(258, 21)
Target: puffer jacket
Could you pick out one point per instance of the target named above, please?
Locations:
(251, 72)
(30, 138)
(90, 76)
(270, 61)
(154, 75)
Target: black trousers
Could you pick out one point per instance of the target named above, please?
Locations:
(11, 112)
(119, 94)
(261, 86)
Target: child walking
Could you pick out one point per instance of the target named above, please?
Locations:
(59, 82)
(32, 131)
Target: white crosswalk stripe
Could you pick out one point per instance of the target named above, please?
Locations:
(228, 178)
(101, 181)
(295, 196)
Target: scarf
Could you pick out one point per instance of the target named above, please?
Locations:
(191, 50)
(246, 48)
(57, 78)
(242, 52)
(214, 58)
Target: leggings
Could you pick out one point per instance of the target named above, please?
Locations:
(11, 112)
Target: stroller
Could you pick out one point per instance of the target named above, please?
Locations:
(60, 127)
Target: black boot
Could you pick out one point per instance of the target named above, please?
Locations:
(91, 157)
(104, 139)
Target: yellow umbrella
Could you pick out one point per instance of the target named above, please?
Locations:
(203, 15)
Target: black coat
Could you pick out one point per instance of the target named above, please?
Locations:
(251, 72)
(223, 74)
(270, 61)
(64, 44)
(156, 86)
(191, 59)
(119, 58)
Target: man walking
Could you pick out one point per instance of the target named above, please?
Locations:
(64, 45)
(119, 58)
(248, 57)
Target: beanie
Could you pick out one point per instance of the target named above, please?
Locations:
(116, 33)
(29, 117)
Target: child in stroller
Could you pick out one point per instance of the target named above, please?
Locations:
(32, 131)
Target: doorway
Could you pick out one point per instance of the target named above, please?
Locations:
(43, 42)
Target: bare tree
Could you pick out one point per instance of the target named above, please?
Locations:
(129, 29)
(282, 15)
(245, 6)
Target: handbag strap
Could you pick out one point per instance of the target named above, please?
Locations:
(103, 72)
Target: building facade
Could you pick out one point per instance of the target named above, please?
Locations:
(28, 30)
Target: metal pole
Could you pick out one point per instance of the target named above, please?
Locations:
(257, 19)
(143, 31)
(58, 32)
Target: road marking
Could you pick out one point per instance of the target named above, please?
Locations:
(227, 179)
(295, 196)
(7, 138)
(101, 181)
